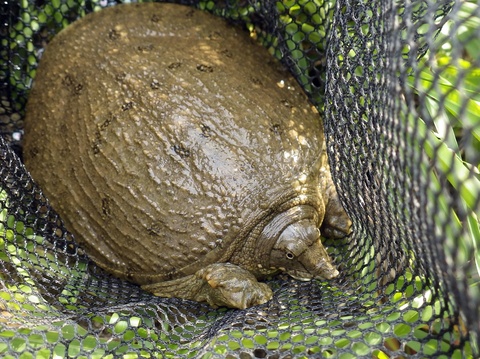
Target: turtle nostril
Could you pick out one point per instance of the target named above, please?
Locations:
(326, 270)
(334, 274)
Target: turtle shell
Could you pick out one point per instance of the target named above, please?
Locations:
(164, 136)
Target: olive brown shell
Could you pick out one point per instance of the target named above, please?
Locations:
(164, 136)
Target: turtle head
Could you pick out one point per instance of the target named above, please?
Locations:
(299, 252)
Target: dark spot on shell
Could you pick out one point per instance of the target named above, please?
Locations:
(106, 206)
(127, 105)
(226, 53)
(154, 229)
(98, 136)
(78, 88)
(276, 129)
(174, 65)
(286, 103)
(190, 13)
(145, 48)
(155, 18)
(256, 81)
(181, 151)
(154, 85)
(215, 35)
(113, 34)
(67, 80)
(96, 142)
(33, 152)
(121, 76)
(272, 62)
(204, 68)
(73, 86)
(106, 123)
(95, 148)
(205, 130)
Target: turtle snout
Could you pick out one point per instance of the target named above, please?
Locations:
(326, 271)
(318, 263)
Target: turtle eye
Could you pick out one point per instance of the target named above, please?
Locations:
(289, 255)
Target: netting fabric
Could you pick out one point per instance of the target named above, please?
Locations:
(398, 86)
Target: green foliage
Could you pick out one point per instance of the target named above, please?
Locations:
(450, 87)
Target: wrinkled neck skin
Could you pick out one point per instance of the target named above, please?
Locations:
(289, 242)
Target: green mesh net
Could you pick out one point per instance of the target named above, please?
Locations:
(398, 85)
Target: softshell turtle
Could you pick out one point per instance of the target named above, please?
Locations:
(181, 155)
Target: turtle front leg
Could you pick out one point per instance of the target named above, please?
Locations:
(336, 223)
(219, 284)
(229, 285)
